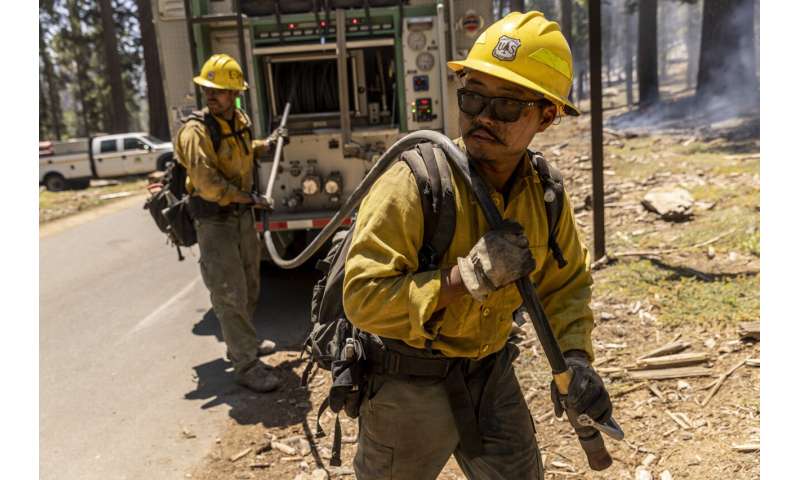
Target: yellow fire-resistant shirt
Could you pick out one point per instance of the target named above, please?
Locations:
(216, 176)
(383, 294)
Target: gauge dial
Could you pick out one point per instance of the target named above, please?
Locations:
(425, 61)
(417, 41)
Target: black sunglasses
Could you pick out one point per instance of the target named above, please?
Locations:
(503, 109)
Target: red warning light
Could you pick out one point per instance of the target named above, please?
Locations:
(354, 21)
(423, 101)
(292, 26)
(323, 24)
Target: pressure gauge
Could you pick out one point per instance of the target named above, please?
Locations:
(417, 41)
(425, 61)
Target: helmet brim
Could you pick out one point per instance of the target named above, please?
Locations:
(204, 82)
(511, 76)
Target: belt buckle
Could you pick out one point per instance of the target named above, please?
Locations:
(392, 363)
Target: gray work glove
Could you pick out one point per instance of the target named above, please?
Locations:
(500, 257)
(587, 393)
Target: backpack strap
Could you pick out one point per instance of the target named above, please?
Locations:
(434, 182)
(215, 130)
(553, 185)
(211, 123)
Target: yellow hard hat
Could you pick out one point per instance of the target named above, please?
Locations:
(528, 50)
(223, 72)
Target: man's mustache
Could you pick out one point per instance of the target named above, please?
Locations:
(475, 128)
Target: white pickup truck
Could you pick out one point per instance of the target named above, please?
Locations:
(73, 163)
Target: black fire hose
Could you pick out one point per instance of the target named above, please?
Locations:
(588, 431)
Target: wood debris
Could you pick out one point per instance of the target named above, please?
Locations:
(295, 458)
(665, 475)
(628, 390)
(282, 447)
(241, 454)
(753, 362)
(668, 349)
(750, 330)
(681, 419)
(675, 360)
(545, 416)
(670, 373)
(720, 380)
(648, 460)
(560, 464)
(260, 465)
(747, 447)
(656, 392)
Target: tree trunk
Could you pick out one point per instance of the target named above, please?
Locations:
(663, 41)
(647, 55)
(691, 45)
(52, 100)
(566, 30)
(80, 64)
(628, 40)
(44, 122)
(119, 114)
(156, 103)
(607, 41)
(566, 20)
(727, 51)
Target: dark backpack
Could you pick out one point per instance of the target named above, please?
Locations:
(334, 343)
(169, 203)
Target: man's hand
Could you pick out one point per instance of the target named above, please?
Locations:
(586, 393)
(260, 202)
(500, 257)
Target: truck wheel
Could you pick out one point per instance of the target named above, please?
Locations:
(161, 164)
(55, 182)
(82, 184)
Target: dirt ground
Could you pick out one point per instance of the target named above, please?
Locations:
(55, 205)
(694, 281)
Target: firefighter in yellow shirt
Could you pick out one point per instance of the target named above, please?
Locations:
(220, 181)
(516, 80)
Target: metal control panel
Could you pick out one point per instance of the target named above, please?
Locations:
(421, 56)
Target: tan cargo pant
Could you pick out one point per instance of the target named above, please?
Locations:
(229, 263)
(407, 430)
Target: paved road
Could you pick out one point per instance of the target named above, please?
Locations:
(129, 350)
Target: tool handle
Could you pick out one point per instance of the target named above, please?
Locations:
(590, 439)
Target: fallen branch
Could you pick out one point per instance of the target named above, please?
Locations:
(656, 392)
(656, 253)
(667, 349)
(680, 419)
(720, 381)
(747, 447)
(241, 454)
(670, 373)
(628, 390)
(750, 330)
(676, 360)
